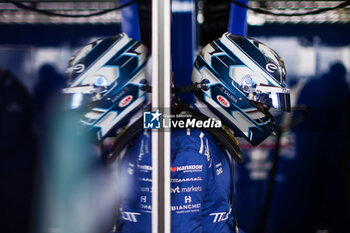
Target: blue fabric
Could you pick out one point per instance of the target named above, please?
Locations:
(200, 185)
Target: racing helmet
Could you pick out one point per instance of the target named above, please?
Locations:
(240, 79)
(105, 84)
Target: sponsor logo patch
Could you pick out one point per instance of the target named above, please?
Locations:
(144, 167)
(179, 209)
(146, 189)
(271, 67)
(223, 101)
(129, 216)
(220, 216)
(79, 68)
(188, 168)
(145, 179)
(219, 169)
(190, 189)
(177, 180)
(125, 101)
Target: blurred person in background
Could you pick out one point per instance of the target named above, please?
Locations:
(321, 139)
(47, 93)
(17, 153)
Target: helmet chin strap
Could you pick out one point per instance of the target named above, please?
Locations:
(206, 111)
(221, 135)
(225, 138)
(123, 139)
(202, 107)
(126, 135)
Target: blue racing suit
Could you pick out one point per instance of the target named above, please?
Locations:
(201, 185)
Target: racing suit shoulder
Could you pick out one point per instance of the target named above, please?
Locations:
(200, 183)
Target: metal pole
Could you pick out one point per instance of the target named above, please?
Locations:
(161, 74)
(271, 182)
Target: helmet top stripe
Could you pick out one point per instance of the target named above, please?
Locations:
(246, 59)
(106, 56)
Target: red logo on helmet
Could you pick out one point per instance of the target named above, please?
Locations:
(125, 101)
(223, 101)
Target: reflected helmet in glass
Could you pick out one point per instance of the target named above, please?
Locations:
(105, 83)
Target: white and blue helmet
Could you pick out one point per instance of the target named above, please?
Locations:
(105, 83)
(241, 78)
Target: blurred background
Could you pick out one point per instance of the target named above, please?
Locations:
(296, 181)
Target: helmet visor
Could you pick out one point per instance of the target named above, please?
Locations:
(276, 97)
(76, 97)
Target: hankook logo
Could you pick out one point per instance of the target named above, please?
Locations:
(188, 168)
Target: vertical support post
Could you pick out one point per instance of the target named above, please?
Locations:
(130, 20)
(161, 73)
(237, 23)
(183, 43)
